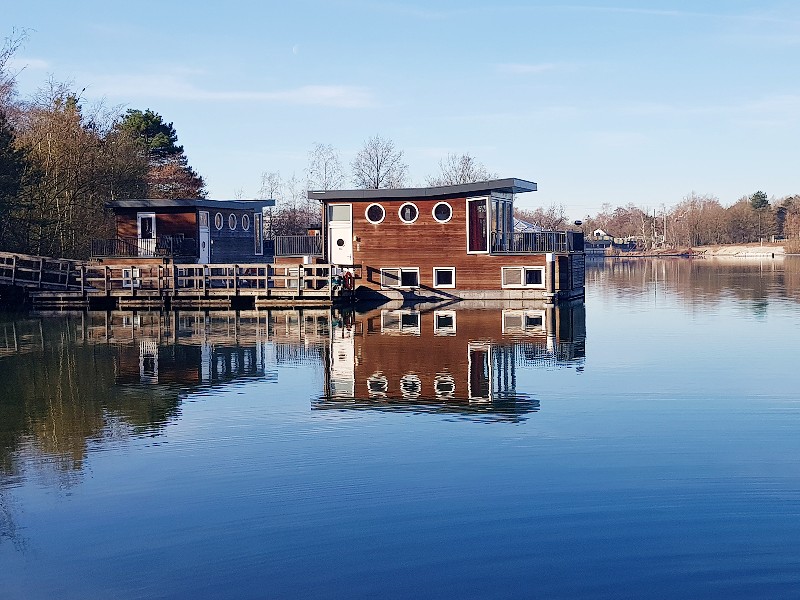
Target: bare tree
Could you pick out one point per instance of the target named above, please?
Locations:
(271, 185)
(551, 218)
(379, 165)
(460, 168)
(8, 77)
(324, 168)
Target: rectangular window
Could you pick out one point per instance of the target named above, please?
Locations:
(400, 277)
(258, 234)
(523, 277)
(477, 225)
(339, 212)
(523, 321)
(444, 322)
(444, 277)
(400, 321)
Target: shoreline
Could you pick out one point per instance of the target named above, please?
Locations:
(770, 250)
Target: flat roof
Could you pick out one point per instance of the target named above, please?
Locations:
(191, 203)
(509, 186)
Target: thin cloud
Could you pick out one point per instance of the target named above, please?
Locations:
(170, 87)
(20, 63)
(524, 68)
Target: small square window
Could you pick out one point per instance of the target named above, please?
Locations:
(444, 277)
(409, 278)
(533, 277)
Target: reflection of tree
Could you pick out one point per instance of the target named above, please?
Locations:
(702, 282)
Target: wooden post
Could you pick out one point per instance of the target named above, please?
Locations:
(300, 280)
(236, 280)
(203, 277)
(41, 268)
(174, 279)
(106, 280)
(83, 279)
(14, 270)
(66, 279)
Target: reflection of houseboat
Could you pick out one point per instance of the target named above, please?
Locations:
(452, 242)
(449, 357)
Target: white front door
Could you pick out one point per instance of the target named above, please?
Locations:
(146, 233)
(340, 234)
(204, 243)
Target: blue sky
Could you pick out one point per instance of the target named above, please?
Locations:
(599, 102)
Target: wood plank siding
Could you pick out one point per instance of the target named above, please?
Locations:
(426, 244)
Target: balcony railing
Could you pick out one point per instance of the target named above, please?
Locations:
(163, 245)
(298, 245)
(533, 242)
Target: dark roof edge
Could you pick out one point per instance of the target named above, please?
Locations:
(509, 185)
(190, 203)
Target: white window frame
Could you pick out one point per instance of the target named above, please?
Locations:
(433, 212)
(219, 221)
(247, 221)
(400, 213)
(522, 285)
(131, 277)
(437, 330)
(234, 218)
(523, 327)
(366, 213)
(258, 233)
(449, 286)
(488, 223)
(398, 328)
(399, 278)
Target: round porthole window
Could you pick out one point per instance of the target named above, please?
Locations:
(442, 212)
(246, 222)
(408, 212)
(410, 386)
(340, 242)
(232, 221)
(377, 384)
(218, 220)
(375, 213)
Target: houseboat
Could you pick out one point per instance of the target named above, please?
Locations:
(192, 230)
(450, 242)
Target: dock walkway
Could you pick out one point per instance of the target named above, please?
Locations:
(56, 282)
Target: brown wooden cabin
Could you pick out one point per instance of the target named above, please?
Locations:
(186, 231)
(453, 242)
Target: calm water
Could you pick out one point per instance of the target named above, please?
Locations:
(646, 445)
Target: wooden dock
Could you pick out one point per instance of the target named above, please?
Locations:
(61, 283)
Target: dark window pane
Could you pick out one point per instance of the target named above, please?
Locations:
(375, 213)
(442, 212)
(444, 277)
(533, 277)
(409, 278)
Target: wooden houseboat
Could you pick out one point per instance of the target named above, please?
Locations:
(193, 230)
(451, 242)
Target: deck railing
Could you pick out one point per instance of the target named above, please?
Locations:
(532, 242)
(298, 245)
(163, 245)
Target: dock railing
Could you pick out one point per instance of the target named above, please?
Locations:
(163, 245)
(298, 245)
(535, 242)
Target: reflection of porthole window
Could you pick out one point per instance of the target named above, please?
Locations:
(218, 220)
(410, 386)
(442, 212)
(246, 222)
(232, 221)
(377, 384)
(408, 212)
(375, 213)
(444, 385)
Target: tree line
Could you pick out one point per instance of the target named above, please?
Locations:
(701, 219)
(61, 161)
